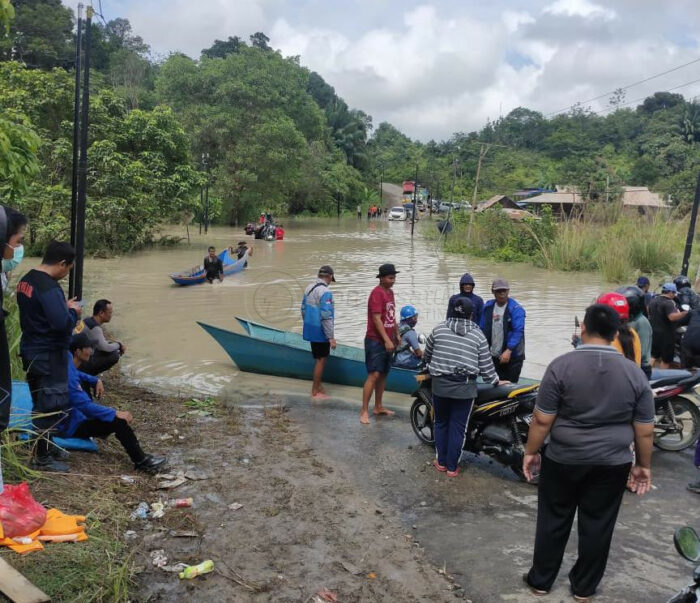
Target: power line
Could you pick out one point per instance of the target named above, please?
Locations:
(648, 79)
(636, 100)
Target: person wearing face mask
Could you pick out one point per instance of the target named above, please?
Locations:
(12, 227)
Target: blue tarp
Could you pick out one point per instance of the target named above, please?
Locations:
(20, 418)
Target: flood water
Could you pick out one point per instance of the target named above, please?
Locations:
(166, 348)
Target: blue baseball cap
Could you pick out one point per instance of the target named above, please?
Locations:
(642, 281)
(669, 288)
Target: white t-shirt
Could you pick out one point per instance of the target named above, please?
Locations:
(497, 329)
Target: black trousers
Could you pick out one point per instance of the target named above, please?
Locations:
(5, 376)
(596, 492)
(119, 427)
(100, 362)
(509, 371)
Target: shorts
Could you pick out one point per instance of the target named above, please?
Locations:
(663, 346)
(377, 359)
(320, 349)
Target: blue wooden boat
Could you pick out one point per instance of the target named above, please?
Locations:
(271, 351)
(196, 275)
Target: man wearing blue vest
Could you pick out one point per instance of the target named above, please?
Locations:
(318, 314)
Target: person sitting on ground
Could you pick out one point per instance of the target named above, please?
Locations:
(664, 316)
(88, 419)
(106, 353)
(466, 289)
(408, 352)
(213, 266)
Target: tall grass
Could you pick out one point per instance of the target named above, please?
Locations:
(606, 240)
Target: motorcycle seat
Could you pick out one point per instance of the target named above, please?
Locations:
(488, 392)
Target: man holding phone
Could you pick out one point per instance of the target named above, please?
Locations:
(47, 321)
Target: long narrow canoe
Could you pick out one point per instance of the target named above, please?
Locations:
(284, 354)
(197, 275)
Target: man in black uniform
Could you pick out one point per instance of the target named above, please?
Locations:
(213, 266)
(664, 317)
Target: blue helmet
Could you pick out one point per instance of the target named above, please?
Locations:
(408, 312)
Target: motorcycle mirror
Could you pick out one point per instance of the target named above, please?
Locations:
(422, 338)
(687, 543)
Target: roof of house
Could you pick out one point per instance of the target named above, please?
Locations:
(558, 198)
(502, 200)
(641, 196)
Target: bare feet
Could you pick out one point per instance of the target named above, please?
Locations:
(380, 410)
(320, 396)
(364, 418)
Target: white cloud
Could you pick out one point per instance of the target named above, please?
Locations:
(579, 8)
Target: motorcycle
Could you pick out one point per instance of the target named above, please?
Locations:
(677, 419)
(687, 544)
(498, 426)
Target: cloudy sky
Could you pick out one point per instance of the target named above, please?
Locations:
(433, 68)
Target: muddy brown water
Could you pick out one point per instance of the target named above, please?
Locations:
(168, 349)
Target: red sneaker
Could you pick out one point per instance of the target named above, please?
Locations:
(439, 467)
(454, 473)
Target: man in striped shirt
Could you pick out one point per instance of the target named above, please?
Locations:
(456, 353)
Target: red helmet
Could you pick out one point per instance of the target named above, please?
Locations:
(617, 302)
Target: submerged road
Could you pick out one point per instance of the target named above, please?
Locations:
(481, 524)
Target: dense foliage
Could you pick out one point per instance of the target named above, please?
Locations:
(265, 133)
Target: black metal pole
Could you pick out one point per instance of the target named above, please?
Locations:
(691, 229)
(415, 200)
(76, 134)
(82, 167)
(206, 198)
(381, 187)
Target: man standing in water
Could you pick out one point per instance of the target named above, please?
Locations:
(213, 266)
(380, 341)
(318, 314)
(503, 323)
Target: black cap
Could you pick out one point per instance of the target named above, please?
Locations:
(387, 270)
(80, 341)
(463, 308)
(326, 271)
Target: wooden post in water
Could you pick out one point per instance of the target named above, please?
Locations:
(691, 230)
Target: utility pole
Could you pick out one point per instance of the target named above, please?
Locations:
(82, 167)
(415, 199)
(381, 186)
(76, 135)
(691, 230)
(205, 161)
(482, 153)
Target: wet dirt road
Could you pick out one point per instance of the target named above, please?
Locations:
(481, 524)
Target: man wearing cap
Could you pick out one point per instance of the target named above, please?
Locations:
(380, 341)
(503, 323)
(318, 313)
(466, 289)
(241, 250)
(86, 419)
(664, 316)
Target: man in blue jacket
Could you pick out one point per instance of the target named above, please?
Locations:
(86, 419)
(503, 323)
(47, 321)
(318, 313)
(466, 289)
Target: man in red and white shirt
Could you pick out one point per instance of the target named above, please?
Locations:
(380, 341)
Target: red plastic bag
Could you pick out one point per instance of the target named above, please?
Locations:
(20, 514)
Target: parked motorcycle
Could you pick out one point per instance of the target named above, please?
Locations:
(688, 546)
(677, 419)
(499, 422)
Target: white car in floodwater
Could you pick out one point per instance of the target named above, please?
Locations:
(397, 213)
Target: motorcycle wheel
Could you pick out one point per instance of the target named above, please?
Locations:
(422, 418)
(688, 416)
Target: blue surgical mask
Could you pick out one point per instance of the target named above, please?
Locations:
(10, 265)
